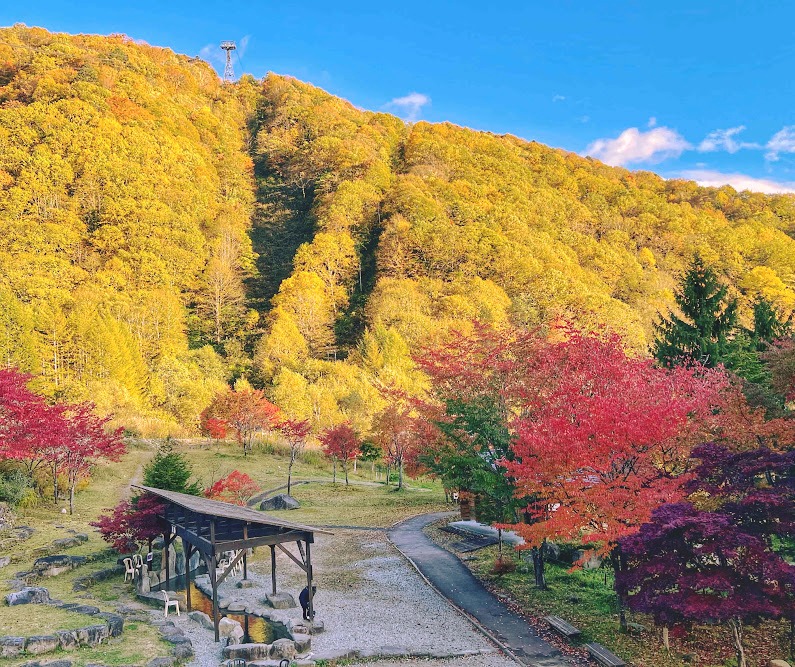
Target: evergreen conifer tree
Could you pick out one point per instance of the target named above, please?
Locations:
(708, 318)
(170, 471)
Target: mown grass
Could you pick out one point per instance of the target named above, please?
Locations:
(18, 623)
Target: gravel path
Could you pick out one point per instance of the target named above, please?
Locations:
(371, 601)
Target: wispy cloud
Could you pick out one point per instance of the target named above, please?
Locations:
(716, 179)
(652, 122)
(725, 140)
(558, 98)
(409, 106)
(635, 146)
(782, 141)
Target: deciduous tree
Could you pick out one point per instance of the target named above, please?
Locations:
(340, 443)
(237, 487)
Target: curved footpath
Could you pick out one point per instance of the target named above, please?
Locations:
(455, 582)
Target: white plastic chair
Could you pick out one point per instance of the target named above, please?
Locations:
(170, 603)
(129, 569)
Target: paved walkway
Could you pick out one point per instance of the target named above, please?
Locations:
(455, 582)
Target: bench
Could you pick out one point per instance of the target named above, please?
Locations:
(561, 626)
(603, 656)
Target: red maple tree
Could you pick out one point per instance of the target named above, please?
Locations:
(608, 442)
(132, 522)
(237, 487)
(68, 439)
(340, 443)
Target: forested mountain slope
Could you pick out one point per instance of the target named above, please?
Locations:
(161, 233)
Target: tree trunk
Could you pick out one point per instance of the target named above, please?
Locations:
(334, 478)
(400, 474)
(290, 474)
(55, 483)
(666, 642)
(499, 543)
(388, 469)
(72, 497)
(538, 567)
(345, 468)
(615, 557)
(736, 626)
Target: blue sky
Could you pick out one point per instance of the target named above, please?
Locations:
(701, 90)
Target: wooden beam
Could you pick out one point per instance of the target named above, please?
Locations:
(214, 582)
(310, 606)
(234, 545)
(293, 558)
(273, 568)
(245, 554)
(186, 547)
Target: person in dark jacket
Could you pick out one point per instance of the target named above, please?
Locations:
(303, 598)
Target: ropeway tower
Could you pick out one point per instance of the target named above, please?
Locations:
(229, 72)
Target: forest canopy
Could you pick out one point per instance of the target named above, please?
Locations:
(163, 234)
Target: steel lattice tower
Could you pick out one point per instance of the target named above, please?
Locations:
(229, 72)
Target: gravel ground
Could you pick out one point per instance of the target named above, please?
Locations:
(369, 598)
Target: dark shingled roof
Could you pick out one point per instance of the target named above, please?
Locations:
(217, 508)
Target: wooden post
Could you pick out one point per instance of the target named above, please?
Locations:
(186, 547)
(245, 554)
(166, 541)
(310, 608)
(214, 581)
(273, 568)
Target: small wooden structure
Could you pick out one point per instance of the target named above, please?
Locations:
(211, 527)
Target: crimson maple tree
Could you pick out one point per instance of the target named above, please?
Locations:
(237, 487)
(132, 522)
(340, 443)
(68, 439)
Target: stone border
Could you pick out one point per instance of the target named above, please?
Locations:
(112, 625)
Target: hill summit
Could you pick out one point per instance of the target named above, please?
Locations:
(162, 233)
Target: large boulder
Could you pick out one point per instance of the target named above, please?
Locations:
(231, 629)
(248, 652)
(29, 595)
(280, 502)
(11, 646)
(115, 623)
(51, 566)
(280, 600)
(778, 663)
(201, 618)
(303, 642)
(92, 635)
(41, 644)
(283, 649)
(67, 639)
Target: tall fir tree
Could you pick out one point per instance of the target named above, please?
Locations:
(708, 318)
(170, 471)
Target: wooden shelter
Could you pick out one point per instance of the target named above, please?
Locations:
(211, 527)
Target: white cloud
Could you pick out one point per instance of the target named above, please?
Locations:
(632, 145)
(716, 179)
(409, 106)
(652, 122)
(782, 141)
(725, 140)
(558, 98)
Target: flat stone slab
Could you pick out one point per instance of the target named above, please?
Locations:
(28, 595)
(280, 600)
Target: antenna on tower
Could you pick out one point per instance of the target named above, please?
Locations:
(229, 72)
